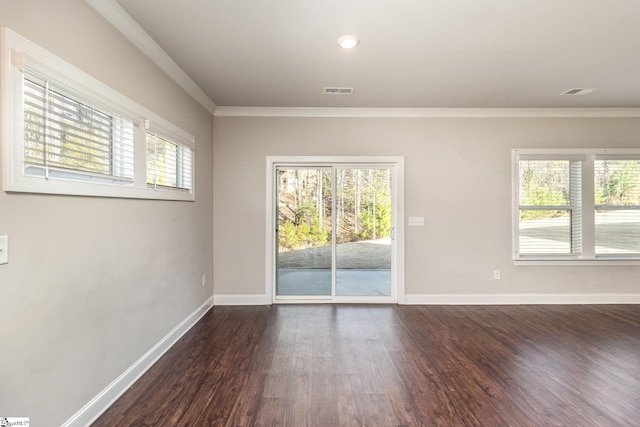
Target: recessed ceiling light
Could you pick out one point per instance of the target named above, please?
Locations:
(348, 42)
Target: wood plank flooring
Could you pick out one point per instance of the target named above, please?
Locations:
(389, 365)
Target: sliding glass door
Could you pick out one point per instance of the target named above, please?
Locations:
(334, 232)
(304, 232)
(363, 232)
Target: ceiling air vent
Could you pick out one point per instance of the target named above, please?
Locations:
(338, 90)
(578, 91)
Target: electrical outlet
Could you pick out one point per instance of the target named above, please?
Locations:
(204, 280)
(496, 274)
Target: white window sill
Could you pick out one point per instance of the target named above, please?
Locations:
(559, 261)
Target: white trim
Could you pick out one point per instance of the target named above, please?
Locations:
(574, 153)
(263, 299)
(238, 299)
(397, 162)
(6, 110)
(520, 299)
(119, 18)
(399, 223)
(424, 112)
(100, 403)
(335, 300)
(560, 261)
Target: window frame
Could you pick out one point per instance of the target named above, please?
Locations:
(586, 255)
(16, 53)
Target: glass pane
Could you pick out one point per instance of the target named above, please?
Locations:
(71, 136)
(168, 163)
(545, 183)
(304, 232)
(617, 182)
(617, 185)
(545, 232)
(363, 218)
(618, 232)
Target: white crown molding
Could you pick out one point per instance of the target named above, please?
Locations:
(426, 112)
(119, 18)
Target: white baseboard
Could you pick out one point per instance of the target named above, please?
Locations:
(462, 299)
(520, 299)
(231, 299)
(92, 410)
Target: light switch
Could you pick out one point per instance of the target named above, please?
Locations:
(416, 221)
(4, 249)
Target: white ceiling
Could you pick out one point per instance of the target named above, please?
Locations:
(413, 53)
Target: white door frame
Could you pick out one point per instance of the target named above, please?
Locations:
(397, 260)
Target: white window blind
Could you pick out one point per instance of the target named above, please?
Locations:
(169, 163)
(617, 210)
(549, 206)
(68, 136)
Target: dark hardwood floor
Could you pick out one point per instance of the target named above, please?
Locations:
(348, 365)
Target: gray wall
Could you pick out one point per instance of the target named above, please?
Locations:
(457, 175)
(93, 283)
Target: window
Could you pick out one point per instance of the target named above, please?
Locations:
(168, 163)
(617, 211)
(576, 204)
(66, 133)
(67, 137)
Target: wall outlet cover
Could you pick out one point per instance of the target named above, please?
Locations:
(416, 221)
